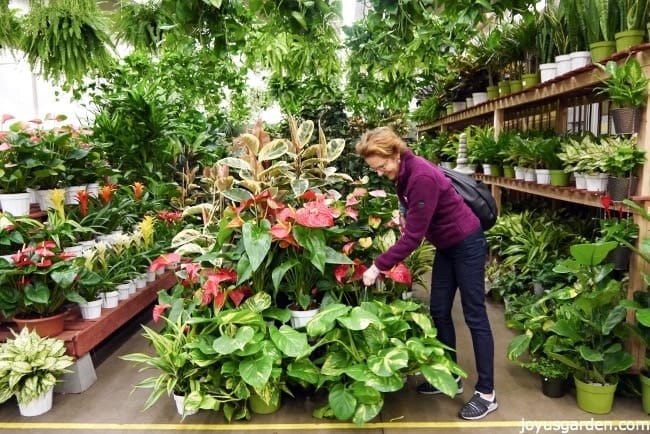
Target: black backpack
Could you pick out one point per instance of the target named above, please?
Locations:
(476, 195)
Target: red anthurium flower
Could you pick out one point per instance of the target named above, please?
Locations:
(158, 311)
(211, 289)
(351, 200)
(606, 201)
(193, 271)
(43, 249)
(238, 294)
(315, 215)
(82, 198)
(163, 260)
(36, 121)
(222, 275)
(4, 146)
(352, 213)
(341, 272)
(347, 247)
(7, 117)
(308, 195)
(138, 189)
(49, 117)
(20, 259)
(400, 274)
(44, 263)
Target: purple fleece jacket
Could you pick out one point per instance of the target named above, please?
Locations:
(433, 210)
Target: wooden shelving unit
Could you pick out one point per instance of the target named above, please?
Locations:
(560, 93)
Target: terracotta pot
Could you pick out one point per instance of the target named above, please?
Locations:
(49, 326)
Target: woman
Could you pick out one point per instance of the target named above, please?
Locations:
(436, 212)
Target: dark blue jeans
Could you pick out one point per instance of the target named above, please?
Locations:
(463, 266)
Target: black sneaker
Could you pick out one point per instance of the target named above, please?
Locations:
(427, 389)
(477, 408)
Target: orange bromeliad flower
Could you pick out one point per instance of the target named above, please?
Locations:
(82, 198)
(138, 189)
(106, 193)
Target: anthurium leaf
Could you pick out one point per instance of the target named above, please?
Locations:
(440, 378)
(64, 278)
(324, 320)
(256, 371)
(592, 253)
(37, 293)
(359, 319)
(273, 150)
(388, 362)
(257, 241)
(334, 257)
(343, 402)
(228, 345)
(305, 370)
(290, 341)
(366, 412)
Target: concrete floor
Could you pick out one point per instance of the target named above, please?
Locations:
(111, 406)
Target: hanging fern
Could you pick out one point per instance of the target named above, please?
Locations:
(65, 40)
(142, 25)
(9, 26)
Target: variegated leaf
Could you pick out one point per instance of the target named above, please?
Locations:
(251, 142)
(236, 163)
(237, 194)
(305, 131)
(299, 186)
(273, 150)
(251, 185)
(335, 148)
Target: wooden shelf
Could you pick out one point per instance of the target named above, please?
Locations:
(81, 335)
(578, 82)
(568, 194)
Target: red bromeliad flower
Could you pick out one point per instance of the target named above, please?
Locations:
(170, 216)
(82, 198)
(158, 311)
(163, 260)
(138, 189)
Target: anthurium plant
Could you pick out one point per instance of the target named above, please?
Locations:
(30, 365)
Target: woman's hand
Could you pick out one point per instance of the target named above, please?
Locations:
(370, 275)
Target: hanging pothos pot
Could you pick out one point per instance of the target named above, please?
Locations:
(66, 39)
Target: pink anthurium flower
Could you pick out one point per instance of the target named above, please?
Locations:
(400, 274)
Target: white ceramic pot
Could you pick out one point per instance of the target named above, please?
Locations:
(151, 276)
(597, 182)
(45, 199)
(16, 204)
(479, 97)
(92, 309)
(581, 183)
(543, 176)
(520, 173)
(300, 318)
(37, 406)
(563, 62)
(469, 102)
(579, 59)
(529, 175)
(93, 189)
(459, 106)
(487, 169)
(123, 291)
(141, 282)
(110, 299)
(179, 400)
(547, 71)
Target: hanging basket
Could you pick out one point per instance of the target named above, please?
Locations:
(626, 120)
(621, 188)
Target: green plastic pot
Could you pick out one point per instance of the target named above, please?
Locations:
(508, 171)
(645, 393)
(529, 80)
(559, 178)
(595, 398)
(628, 38)
(493, 92)
(601, 50)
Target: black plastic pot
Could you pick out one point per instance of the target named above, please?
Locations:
(553, 387)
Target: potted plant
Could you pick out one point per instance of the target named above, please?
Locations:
(15, 150)
(590, 327)
(36, 285)
(633, 16)
(29, 368)
(553, 374)
(624, 232)
(626, 86)
(623, 160)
